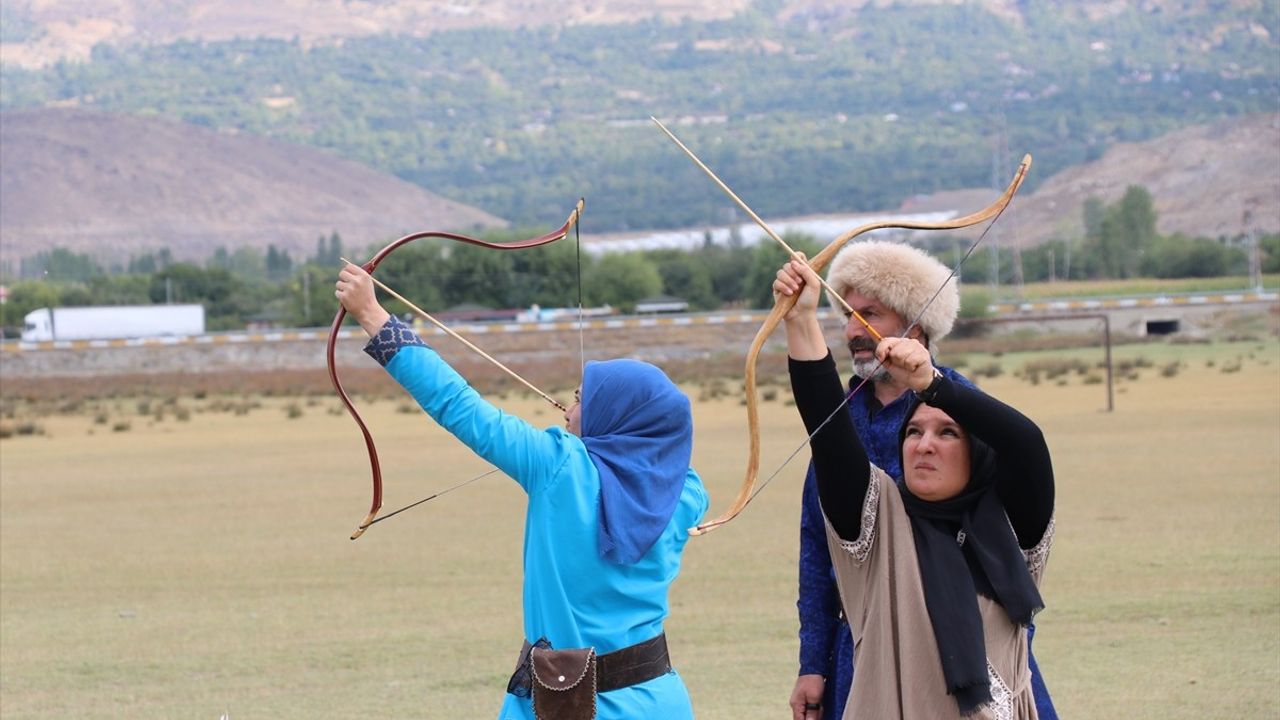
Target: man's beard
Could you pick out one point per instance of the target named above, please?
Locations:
(870, 368)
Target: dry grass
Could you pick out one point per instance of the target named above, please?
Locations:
(190, 568)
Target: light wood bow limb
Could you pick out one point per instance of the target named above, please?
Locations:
(784, 304)
(763, 226)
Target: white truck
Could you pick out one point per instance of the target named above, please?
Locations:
(112, 322)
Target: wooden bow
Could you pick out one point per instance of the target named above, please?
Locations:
(785, 303)
(369, 267)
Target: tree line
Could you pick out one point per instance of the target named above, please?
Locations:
(249, 286)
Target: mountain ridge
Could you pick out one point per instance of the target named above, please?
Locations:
(114, 186)
(85, 181)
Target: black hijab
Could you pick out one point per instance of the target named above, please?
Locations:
(965, 546)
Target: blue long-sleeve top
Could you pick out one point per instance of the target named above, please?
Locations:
(572, 597)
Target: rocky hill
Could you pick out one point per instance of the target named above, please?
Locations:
(117, 185)
(1212, 180)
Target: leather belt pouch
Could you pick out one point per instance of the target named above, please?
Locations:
(564, 683)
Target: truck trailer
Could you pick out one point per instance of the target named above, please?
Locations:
(112, 322)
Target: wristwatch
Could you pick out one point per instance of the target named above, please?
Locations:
(928, 394)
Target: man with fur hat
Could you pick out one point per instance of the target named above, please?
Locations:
(890, 285)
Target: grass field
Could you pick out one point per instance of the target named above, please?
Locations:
(187, 568)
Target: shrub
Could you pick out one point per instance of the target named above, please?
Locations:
(1053, 368)
(991, 370)
(28, 428)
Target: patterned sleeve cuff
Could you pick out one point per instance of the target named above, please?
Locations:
(394, 335)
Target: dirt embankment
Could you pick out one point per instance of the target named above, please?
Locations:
(548, 358)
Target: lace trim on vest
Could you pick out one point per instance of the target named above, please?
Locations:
(1001, 696)
(1039, 555)
(861, 547)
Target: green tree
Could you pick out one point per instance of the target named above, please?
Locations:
(151, 262)
(60, 264)
(1269, 247)
(328, 250)
(621, 280)
(1127, 230)
(973, 311)
(766, 259)
(1179, 256)
(1130, 226)
(476, 275)
(131, 289)
(222, 294)
(278, 264)
(246, 263)
(547, 275)
(727, 268)
(1094, 211)
(684, 277)
(311, 300)
(25, 296)
(416, 272)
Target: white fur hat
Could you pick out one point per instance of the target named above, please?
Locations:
(901, 277)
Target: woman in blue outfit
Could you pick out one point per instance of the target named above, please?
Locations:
(610, 500)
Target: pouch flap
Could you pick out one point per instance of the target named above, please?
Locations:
(561, 669)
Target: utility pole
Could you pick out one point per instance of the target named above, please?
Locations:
(993, 246)
(1255, 259)
(1000, 170)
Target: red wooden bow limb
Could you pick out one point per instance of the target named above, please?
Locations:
(369, 267)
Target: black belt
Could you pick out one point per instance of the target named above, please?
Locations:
(619, 669)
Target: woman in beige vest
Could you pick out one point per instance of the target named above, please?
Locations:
(939, 577)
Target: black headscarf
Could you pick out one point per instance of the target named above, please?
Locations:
(954, 572)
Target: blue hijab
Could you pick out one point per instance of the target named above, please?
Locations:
(638, 429)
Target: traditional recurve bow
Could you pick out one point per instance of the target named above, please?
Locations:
(784, 304)
(369, 267)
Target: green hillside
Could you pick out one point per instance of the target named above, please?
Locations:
(840, 113)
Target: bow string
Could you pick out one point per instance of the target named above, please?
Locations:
(783, 306)
(335, 329)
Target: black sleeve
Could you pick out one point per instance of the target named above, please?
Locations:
(839, 460)
(1024, 477)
